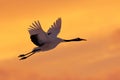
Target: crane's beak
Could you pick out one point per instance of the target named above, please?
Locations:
(83, 39)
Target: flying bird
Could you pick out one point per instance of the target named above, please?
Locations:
(45, 40)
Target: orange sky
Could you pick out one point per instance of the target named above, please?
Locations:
(97, 21)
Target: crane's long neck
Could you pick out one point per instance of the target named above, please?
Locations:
(75, 39)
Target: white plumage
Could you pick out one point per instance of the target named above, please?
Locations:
(45, 40)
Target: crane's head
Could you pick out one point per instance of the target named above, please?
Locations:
(75, 39)
(79, 39)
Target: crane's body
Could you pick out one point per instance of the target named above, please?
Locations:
(48, 45)
(45, 40)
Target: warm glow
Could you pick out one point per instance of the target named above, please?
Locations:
(96, 20)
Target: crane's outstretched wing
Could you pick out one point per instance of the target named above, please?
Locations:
(37, 35)
(54, 30)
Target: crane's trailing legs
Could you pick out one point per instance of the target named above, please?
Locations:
(24, 56)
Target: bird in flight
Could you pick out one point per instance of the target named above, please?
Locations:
(45, 40)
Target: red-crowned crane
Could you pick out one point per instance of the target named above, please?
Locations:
(45, 40)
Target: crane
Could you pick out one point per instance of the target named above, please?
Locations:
(45, 41)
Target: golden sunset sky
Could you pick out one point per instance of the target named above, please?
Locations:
(98, 58)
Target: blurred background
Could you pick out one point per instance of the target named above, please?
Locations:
(98, 21)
